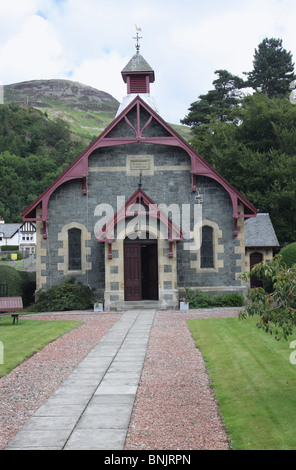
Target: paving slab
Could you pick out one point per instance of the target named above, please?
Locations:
(91, 409)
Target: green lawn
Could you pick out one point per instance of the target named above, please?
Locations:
(254, 382)
(19, 342)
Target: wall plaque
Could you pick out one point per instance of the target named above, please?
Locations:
(137, 163)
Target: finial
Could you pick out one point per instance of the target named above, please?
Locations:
(137, 38)
(140, 180)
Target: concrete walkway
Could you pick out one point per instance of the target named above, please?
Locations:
(91, 409)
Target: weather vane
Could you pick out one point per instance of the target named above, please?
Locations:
(137, 38)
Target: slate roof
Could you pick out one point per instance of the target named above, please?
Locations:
(9, 230)
(259, 232)
(137, 64)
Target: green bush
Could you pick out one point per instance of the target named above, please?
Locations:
(28, 287)
(199, 299)
(288, 254)
(69, 295)
(10, 248)
(11, 277)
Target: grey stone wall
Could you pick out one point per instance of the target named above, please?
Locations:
(169, 183)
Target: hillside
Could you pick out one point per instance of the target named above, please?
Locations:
(87, 110)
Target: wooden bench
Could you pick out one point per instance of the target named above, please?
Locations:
(11, 304)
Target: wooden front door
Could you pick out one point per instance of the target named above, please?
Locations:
(140, 270)
(132, 272)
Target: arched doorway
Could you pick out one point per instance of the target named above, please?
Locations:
(255, 258)
(140, 270)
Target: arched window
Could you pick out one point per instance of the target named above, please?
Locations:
(207, 249)
(74, 244)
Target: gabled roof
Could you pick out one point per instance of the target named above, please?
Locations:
(9, 230)
(79, 168)
(259, 232)
(136, 205)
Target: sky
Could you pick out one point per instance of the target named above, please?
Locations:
(185, 42)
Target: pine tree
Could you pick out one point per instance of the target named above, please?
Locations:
(216, 103)
(273, 69)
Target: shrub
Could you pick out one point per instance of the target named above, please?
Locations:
(288, 254)
(11, 277)
(69, 295)
(28, 287)
(199, 299)
(10, 248)
(277, 310)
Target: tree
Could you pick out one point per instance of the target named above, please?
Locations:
(277, 310)
(255, 152)
(273, 68)
(288, 254)
(216, 103)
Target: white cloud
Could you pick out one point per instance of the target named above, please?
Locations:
(35, 52)
(185, 42)
(103, 73)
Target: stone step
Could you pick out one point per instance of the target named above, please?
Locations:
(141, 304)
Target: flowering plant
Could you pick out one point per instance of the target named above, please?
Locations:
(97, 302)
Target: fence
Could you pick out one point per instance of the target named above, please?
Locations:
(21, 264)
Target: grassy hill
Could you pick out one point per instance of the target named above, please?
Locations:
(87, 110)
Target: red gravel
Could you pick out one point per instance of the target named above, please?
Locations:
(174, 408)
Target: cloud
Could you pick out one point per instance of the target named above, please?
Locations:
(185, 42)
(103, 73)
(34, 52)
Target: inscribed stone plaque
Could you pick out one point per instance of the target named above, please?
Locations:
(137, 163)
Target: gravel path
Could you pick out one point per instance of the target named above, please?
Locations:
(174, 409)
(27, 386)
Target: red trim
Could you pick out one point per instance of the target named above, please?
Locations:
(141, 198)
(79, 168)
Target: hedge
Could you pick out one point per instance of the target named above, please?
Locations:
(199, 299)
(69, 295)
(288, 254)
(11, 277)
(19, 283)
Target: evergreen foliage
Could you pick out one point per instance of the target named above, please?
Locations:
(273, 68)
(216, 103)
(19, 283)
(199, 299)
(69, 295)
(33, 153)
(288, 255)
(254, 145)
(11, 277)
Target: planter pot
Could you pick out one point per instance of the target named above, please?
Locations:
(184, 305)
(98, 308)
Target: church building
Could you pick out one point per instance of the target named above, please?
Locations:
(140, 215)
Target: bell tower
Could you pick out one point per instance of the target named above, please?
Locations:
(138, 74)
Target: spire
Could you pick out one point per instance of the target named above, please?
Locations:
(138, 74)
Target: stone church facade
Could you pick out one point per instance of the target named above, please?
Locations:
(139, 215)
